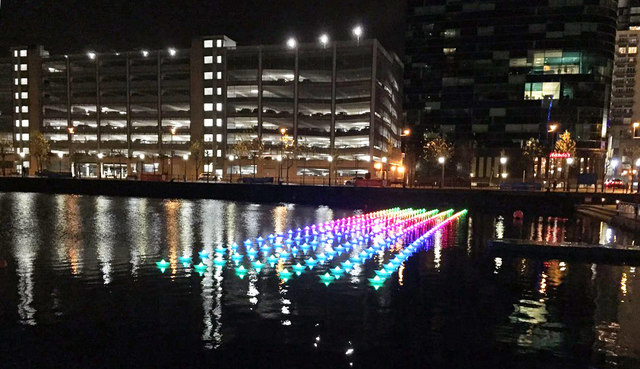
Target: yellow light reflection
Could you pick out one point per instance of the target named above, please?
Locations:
(173, 233)
(401, 274)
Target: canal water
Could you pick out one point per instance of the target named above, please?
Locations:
(79, 287)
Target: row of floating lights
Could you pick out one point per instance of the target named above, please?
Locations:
(371, 234)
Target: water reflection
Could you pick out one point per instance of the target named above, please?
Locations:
(102, 251)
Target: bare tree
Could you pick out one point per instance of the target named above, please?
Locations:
(197, 153)
(531, 150)
(40, 149)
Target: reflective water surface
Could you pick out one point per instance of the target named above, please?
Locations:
(79, 287)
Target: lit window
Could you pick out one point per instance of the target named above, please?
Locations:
(219, 153)
(25, 123)
(208, 138)
(622, 50)
(219, 75)
(208, 153)
(219, 91)
(449, 50)
(208, 122)
(219, 59)
(633, 50)
(23, 53)
(17, 109)
(23, 81)
(25, 109)
(208, 44)
(24, 95)
(219, 107)
(538, 91)
(219, 122)
(219, 137)
(25, 137)
(16, 81)
(15, 53)
(23, 67)
(208, 59)
(15, 67)
(17, 123)
(17, 136)
(208, 75)
(219, 43)
(208, 107)
(17, 95)
(208, 91)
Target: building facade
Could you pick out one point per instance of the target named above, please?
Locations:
(312, 110)
(500, 72)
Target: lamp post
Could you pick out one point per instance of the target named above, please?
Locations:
(324, 40)
(279, 158)
(441, 160)
(173, 133)
(503, 163)
(566, 174)
(141, 166)
(71, 132)
(638, 175)
(22, 155)
(378, 167)
(60, 154)
(552, 128)
(186, 159)
(231, 158)
(330, 160)
(635, 128)
(100, 156)
(357, 31)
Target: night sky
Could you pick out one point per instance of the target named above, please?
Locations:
(67, 26)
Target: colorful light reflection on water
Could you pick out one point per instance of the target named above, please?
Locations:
(82, 285)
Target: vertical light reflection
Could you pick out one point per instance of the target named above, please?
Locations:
(323, 214)
(25, 251)
(171, 208)
(253, 291)
(139, 227)
(469, 235)
(73, 230)
(105, 234)
(213, 217)
(498, 264)
(231, 211)
(540, 229)
(437, 249)
(401, 275)
(500, 227)
(186, 227)
(280, 218)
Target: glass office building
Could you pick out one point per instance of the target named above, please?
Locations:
(500, 72)
(313, 110)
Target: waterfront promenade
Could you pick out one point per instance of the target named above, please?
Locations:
(343, 196)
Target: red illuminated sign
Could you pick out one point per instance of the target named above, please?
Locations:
(559, 155)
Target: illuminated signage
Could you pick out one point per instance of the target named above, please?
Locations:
(559, 155)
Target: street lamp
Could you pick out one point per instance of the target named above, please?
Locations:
(441, 160)
(406, 132)
(60, 154)
(357, 31)
(173, 133)
(291, 43)
(324, 40)
(330, 160)
(172, 51)
(22, 155)
(186, 158)
(71, 132)
(100, 156)
(231, 158)
(635, 128)
(569, 163)
(503, 162)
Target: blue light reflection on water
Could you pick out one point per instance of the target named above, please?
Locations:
(88, 263)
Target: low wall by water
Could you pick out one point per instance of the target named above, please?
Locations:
(347, 197)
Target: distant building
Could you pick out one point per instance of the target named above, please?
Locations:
(500, 72)
(317, 111)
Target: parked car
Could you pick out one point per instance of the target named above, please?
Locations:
(615, 183)
(352, 181)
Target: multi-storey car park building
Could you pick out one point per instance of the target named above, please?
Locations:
(326, 110)
(502, 71)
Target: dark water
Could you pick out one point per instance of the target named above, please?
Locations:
(81, 289)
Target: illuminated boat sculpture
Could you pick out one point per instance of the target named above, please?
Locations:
(241, 271)
(200, 268)
(236, 258)
(272, 260)
(219, 262)
(311, 263)
(376, 282)
(203, 254)
(337, 272)
(327, 279)
(284, 274)
(162, 265)
(257, 265)
(185, 260)
(220, 250)
(298, 268)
